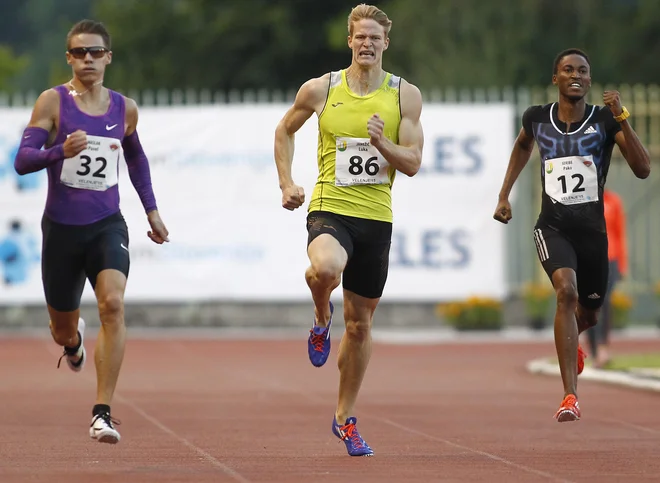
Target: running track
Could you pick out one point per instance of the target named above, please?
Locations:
(244, 411)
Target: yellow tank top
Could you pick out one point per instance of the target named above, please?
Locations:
(354, 179)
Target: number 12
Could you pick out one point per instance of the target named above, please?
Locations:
(578, 186)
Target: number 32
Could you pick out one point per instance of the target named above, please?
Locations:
(85, 164)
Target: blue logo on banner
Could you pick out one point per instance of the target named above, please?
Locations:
(436, 249)
(456, 155)
(25, 182)
(19, 250)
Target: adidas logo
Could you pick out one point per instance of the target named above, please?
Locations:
(590, 130)
(594, 296)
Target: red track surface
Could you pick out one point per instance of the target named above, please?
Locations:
(234, 411)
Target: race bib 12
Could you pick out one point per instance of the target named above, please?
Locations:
(571, 180)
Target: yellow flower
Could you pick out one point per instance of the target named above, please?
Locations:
(472, 308)
(536, 291)
(451, 310)
(621, 301)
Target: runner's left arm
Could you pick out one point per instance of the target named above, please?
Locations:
(140, 174)
(632, 149)
(136, 160)
(634, 152)
(406, 156)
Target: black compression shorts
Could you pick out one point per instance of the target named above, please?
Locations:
(71, 254)
(585, 253)
(367, 243)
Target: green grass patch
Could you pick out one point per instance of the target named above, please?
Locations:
(633, 361)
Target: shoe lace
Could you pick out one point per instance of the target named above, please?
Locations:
(349, 431)
(109, 420)
(317, 340)
(64, 354)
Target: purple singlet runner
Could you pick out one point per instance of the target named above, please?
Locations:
(83, 189)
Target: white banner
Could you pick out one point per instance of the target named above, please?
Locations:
(217, 190)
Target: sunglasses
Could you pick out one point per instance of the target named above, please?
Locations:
(81, 52)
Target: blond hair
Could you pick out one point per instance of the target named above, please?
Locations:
(363, 11)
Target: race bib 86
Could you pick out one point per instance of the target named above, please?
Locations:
(357, 162)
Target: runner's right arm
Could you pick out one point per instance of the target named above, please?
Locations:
(520, 154)
(30, 157)
(309, 99)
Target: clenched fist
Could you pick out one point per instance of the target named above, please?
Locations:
(503, 212)
(375, 127)
(75, 144)
(293, 197)
(612, 99)
(158, 233)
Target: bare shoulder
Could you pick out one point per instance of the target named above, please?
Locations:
(313, 92)
(131, 105)
(411, 100)
(49, 95)
(131, 115)
(48, 100)
(46, 109)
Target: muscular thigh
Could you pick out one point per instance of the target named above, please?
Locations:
(107, 248)
(554, 250)
(367, 269)
(323, 222)
(62, 264)
(592, 269)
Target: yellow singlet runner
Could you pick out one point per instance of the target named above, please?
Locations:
(354, 178)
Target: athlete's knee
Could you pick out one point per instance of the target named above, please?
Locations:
(326, 269)
(111, 307)
(326, 274)
(64, 336)
(567, 294)
(63, 328)
(358, 330)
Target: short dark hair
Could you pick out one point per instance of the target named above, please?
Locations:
(89, 27)
(566, 52)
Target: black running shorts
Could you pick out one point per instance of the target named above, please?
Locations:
(585, 253)
(367, 243)
(71, 254)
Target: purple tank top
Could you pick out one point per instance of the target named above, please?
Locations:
(77, 205)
